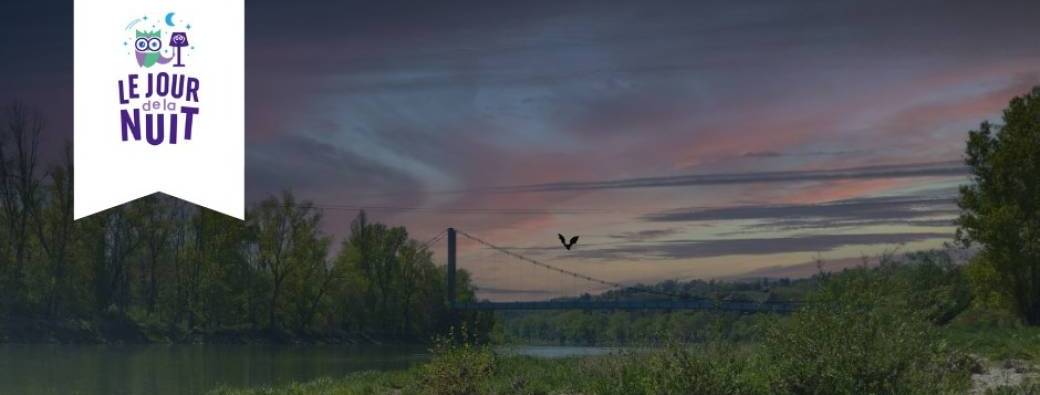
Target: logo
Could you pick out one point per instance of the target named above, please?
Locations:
(158, 107)
(167, 103)
(148, 44)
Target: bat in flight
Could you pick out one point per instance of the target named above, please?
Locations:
(567, 245)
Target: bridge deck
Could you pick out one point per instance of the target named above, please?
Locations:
(747, 307)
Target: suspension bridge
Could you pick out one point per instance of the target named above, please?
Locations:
(663, 300)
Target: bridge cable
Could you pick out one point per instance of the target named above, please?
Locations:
(433, 239)
(576, 274)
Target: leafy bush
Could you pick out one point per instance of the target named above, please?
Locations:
(933, 285)
(995, 335)
(617, 374)
(988, 287)
(456, 369)
(853, 337)
(716, 368)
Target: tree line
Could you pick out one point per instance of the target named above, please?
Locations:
(166, 263)
(171, 264)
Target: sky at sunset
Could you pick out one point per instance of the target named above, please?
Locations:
(680, 139)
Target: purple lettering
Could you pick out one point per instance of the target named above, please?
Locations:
(173, 128)
(122, 100)
(132, 82)
(131, 126)
(193, 90)
(177, 88)
(190, 113)
(162, 84)
(158, 127)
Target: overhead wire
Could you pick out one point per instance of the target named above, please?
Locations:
(574, 274)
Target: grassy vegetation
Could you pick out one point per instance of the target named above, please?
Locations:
(994, 336)
(715, 369)
(701, 369)
(900, 328)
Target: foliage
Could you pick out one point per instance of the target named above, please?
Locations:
(160, 269)
(995, 335)
(714, 368)
(626, 327)
(860, 334)
(353, 384)
(456, 369)
(863, 331)
(1000, 210)
(939, 291)
(652, 327)
(289, 246)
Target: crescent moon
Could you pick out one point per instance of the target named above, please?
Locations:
(169, 19)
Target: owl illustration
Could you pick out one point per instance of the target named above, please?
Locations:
(147, 46)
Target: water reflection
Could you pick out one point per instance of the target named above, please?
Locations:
(183, 369)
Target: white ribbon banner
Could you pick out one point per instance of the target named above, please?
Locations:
(159, 102)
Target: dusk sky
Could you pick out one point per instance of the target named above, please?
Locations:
(680, 139)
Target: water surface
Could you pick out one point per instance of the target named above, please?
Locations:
(559, 351)
(197, 369)
(182, 369)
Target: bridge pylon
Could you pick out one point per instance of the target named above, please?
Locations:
(451, 268)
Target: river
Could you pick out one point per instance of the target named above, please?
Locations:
(196, 369)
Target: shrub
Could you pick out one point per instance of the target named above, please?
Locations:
(616, 374)
(716, 368)
(456, 369)
(934, 285)
(853, 338)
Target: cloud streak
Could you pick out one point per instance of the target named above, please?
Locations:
(874, 210)
(933, 169)
(686, 249)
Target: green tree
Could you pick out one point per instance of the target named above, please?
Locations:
(117, 238)
(288, 240)
(19, 198)
(157, 227)
(224, 278)
(392, 286)
(1000, 209)
(160, 267)
(371, 254)
(54, 229)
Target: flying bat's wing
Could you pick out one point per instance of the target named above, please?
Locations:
(574, 240)
(562, 239)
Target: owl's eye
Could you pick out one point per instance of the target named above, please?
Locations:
(154, 44)
(141, 44)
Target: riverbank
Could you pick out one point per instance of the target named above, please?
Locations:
(843, 347)
(698, 369)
